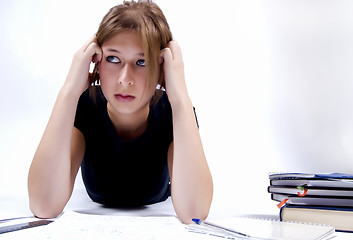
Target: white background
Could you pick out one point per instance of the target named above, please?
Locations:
(271, 82)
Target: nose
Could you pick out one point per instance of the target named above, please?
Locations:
(126, 76)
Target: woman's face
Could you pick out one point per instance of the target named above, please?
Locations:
(123, 73)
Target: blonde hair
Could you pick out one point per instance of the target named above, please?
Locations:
(147, 19)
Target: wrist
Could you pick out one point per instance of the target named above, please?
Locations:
(180, 102)
(69, 91)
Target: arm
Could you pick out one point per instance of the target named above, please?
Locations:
(191, 181)
(59, 154)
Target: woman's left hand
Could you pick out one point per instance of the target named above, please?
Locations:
(174, 76)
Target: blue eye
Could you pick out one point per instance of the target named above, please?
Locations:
(113, 59)
(141, 62)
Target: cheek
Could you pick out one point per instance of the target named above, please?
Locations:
(140, 77)
(105, 73)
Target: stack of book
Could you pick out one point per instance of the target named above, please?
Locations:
(314, 198)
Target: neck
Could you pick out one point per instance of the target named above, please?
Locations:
(129, 126)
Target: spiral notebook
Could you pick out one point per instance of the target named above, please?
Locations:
(256, 228)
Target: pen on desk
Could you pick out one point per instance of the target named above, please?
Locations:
(228, 230)
(20, 226)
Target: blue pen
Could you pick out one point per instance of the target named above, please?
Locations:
(227, 230)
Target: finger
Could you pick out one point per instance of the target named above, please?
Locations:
(97, 57)
(88, 42)
(95, 52)
(161, 60)
(175, 49)
(166, 54)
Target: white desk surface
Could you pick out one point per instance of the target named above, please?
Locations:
(16, 204)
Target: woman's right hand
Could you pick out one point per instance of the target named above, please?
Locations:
(77, 80)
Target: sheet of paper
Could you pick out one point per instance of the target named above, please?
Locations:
(73, 225)
(276, 230)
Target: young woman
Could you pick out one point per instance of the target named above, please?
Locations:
(136, 144)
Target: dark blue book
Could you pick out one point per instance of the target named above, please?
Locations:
(293, 175)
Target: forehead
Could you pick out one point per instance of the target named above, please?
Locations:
(124, 41)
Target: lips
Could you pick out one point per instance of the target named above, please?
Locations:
(124, 97)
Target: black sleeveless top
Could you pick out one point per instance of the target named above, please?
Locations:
(124, 173)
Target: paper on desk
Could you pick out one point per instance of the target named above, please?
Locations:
(269, 229)
(73, 225)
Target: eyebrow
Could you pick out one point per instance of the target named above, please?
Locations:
(117, 51)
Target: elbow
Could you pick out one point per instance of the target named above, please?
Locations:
(44, 210)
(187, 216)
(186, 211)
(197, 206)
(45, 204)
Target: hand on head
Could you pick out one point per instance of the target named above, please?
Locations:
(173, 66)
(78, 77)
